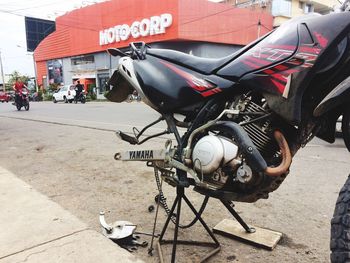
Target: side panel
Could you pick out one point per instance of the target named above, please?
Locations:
(171, 87)
(338, 96)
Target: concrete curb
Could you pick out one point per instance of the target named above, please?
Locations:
(36, 229)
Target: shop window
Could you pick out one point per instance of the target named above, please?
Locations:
(102, 80)
(301, 5)
(82, 60)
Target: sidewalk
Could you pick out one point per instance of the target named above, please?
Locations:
(36, 229)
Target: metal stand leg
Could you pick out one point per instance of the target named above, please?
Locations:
(238, 218)
(180, 194)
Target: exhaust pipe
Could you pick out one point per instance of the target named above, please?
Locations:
(286, 156)
(256, 161)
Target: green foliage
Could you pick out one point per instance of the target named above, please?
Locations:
(53, 87)
(91, 94)
(40, 95)
(16, 75)
(48, 96)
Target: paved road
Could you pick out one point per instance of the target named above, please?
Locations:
(101, 115)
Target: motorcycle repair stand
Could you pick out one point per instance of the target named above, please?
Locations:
(180, 195)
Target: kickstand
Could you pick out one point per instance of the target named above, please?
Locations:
(229, 205)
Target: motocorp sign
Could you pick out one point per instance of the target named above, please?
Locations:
(146, 27)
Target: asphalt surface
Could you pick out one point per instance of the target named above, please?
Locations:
(99, 115)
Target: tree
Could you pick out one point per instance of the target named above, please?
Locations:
(16, 75)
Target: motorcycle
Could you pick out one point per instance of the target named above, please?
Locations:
(22, 100)
(245, 115)
(80, 97)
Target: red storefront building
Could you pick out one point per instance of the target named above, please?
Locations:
(76, 50)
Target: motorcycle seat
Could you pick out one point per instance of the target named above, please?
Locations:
(203, 65)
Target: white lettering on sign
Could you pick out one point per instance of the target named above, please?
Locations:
(146, 27)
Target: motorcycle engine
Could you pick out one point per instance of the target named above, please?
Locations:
(212, 153)
(217, 158)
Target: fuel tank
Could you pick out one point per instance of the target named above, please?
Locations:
(171, 87)
(293, 59)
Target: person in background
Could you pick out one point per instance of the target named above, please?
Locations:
(18, 88)
(78, 90)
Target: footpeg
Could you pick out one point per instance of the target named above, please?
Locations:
(123, 136)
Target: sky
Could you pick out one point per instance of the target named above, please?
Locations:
(13, 46)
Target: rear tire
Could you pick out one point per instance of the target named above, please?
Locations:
(340, 227)
(83, 100)
(54, 100)
(18, 107)
(65, 100)
(345, 127)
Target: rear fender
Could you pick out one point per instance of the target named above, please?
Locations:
(120, 88)
(328, 125)
(336, 98)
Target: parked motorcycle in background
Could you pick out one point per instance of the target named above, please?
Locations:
(80, 97)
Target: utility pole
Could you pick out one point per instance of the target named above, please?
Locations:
(2, 74)
(35, 75)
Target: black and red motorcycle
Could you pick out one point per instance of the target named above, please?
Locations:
(22, 100)
(245, 115)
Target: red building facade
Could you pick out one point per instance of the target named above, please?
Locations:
(116, 23)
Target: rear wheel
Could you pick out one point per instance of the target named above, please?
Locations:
(18, 107)
(65, 100)
(340, 227)
(345, 127)
(54, 100)
(83, 100)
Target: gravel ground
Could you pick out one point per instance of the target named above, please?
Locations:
(75, 168)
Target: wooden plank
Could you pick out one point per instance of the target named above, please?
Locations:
(262, 237)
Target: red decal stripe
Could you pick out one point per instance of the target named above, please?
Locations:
(211, 92)
(281, 67)
(208, 93)
(280, 77)
(269, 71)
(279, 86)
(312, 50)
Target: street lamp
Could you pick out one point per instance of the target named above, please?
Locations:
(35, 76)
